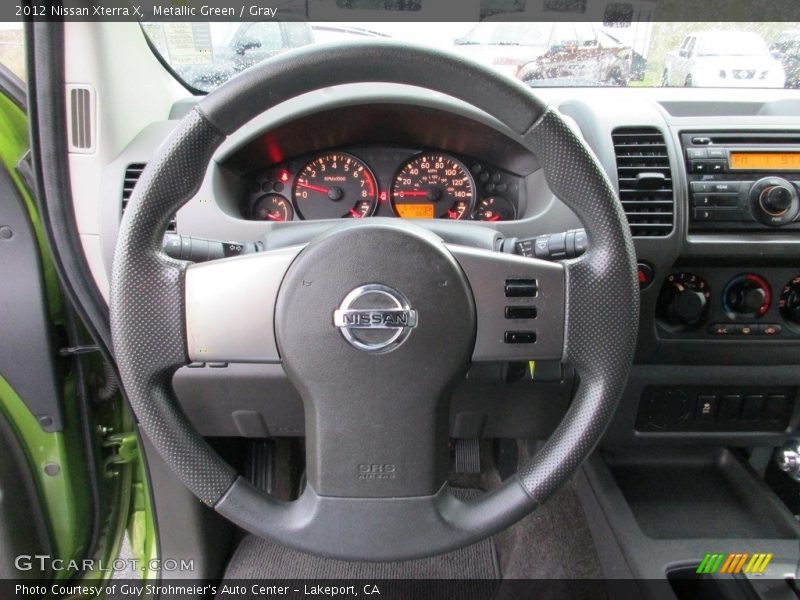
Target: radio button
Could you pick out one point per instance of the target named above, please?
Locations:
(702, 186)
(719, 200)
(716, 153)
(725, 187)
(717, 214)
(701, 141)
(696, 153)
(699, 167)
(716, 166)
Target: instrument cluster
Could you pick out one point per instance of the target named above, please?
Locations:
(356, 183)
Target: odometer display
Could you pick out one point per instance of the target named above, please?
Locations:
(433, 186)
(409, 210)
(333, 186)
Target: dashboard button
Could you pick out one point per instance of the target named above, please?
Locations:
(769, 329)
(716, 153)
(716, 200)
(717, 214)
(645, 274)
(747, 329)
(729, 408)
(726, 187)
(706, 408)
(520, 337)
(701, 141)
(702, 186)
(696, 153)
(776, 407)
(721, 329)
(752, 407)
(699, 167)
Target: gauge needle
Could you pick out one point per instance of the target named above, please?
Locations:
(402, 194)
(355, 213)
(274, 216)
(315, 188)
(494, 218)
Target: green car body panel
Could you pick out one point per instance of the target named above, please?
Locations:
(63, 487)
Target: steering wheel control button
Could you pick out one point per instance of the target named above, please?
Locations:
(520, 337)
(521, 288)
(375, 318)
(520, 312)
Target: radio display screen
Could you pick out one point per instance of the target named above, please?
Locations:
(765, 161)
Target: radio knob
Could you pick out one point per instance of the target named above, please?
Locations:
(775, 200)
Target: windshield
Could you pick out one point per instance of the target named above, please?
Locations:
(732, 43)
(636, 52)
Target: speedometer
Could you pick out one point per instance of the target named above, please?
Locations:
(433, 186)
(335, 185)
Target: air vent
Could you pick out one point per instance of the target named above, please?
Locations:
(645, 180)
(132, 174)
(81, 119)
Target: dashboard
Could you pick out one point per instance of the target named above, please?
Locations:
(710, 187)
(385, 181)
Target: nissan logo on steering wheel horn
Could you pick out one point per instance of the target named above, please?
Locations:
(375, 318)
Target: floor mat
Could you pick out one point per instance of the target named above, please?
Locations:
(256, 558)
(553, 546)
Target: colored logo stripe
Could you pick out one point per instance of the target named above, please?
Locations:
(734, 563)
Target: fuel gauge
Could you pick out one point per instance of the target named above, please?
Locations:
(273, 207)
(494, 208)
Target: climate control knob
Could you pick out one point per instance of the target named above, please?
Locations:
(789, 302)
(683, 301)
(747, 296)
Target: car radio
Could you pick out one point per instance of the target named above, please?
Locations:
(743, 182)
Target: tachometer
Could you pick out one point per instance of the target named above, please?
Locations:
(433, 186)
(335, 185)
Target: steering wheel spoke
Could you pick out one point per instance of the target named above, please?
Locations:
(230, 307)
(520, 303)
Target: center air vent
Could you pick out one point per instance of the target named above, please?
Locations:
(132, 174)
(645, 180)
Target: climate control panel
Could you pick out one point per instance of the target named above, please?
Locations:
(726, 303)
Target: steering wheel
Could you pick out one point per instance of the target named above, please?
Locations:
(374, 322)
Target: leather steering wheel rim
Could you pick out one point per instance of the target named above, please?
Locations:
(149, 323)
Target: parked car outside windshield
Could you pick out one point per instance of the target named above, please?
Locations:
(723, 59)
